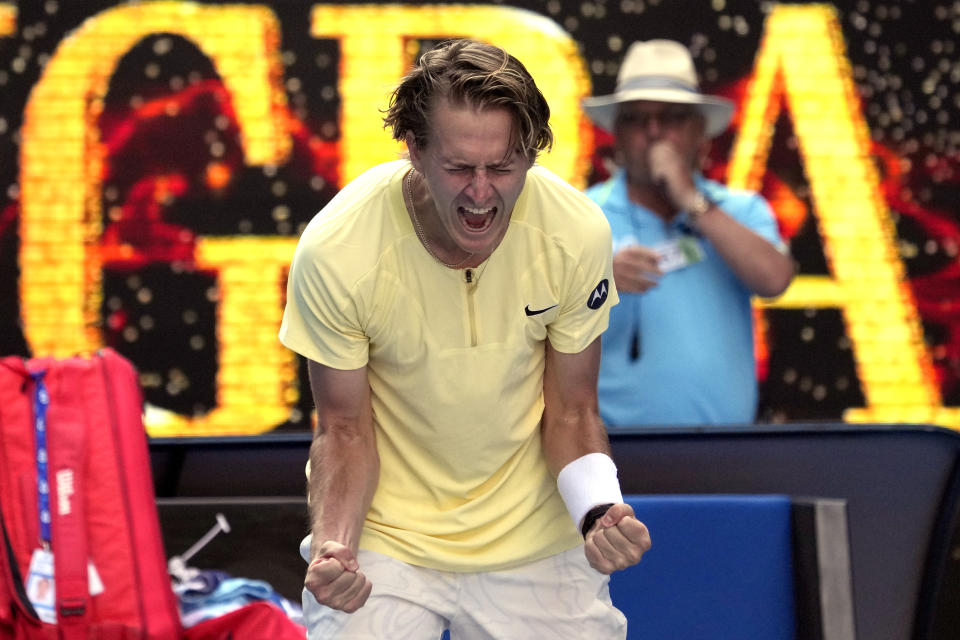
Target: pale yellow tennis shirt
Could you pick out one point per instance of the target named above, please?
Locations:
(455, 361)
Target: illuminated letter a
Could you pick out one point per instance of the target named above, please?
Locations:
(859, 239)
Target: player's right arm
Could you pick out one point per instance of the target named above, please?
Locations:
(344, 471)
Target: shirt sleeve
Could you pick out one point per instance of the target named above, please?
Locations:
(591, 292)
(321, 320)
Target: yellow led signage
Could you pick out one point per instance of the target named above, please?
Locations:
(868, 281)
(60, 226)
(8, 19)
(62, 157)
(257, 373)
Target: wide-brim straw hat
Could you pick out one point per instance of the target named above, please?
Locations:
(660, 71)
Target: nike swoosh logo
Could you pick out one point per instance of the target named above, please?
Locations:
(536, 312)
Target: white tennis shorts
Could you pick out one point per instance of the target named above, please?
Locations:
(561, 596)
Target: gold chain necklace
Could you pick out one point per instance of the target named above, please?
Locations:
(419, 229)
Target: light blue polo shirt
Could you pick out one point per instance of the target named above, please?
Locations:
(695, 360)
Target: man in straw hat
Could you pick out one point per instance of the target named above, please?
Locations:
(688, 252)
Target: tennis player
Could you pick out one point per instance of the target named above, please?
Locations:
(450, 307)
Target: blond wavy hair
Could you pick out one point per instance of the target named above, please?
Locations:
(477, 74)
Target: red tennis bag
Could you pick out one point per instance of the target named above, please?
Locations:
(82, 554)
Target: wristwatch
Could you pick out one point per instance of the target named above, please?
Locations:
(701, 204)
(592, 516)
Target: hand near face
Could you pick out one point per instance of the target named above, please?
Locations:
(335, 580)
(672, 172)
(617, 540)
(635, 269)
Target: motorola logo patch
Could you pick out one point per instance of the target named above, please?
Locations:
(598, 296)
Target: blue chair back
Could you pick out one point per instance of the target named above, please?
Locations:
(720, 567)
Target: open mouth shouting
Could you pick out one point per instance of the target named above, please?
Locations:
(477, 219)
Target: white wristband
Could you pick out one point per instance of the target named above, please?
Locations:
(586, 482)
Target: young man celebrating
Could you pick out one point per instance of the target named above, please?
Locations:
(450, 308)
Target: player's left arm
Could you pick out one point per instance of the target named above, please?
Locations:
(578, 452)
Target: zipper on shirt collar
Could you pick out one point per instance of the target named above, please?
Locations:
(471, 282)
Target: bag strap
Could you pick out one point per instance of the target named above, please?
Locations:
(67, 431)
(41, 404)
(12, 581)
